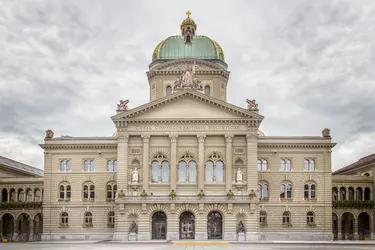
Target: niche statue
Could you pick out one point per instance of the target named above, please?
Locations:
(134, 228)
(240, 227)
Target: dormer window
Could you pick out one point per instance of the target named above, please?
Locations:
(188, 39)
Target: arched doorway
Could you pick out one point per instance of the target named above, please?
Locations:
(38, 227)
(335, 229)
(159, 226)
(7, 221)
(24, 227)
(364, 226)
(347, 226)
(214, 225)
(187, 225)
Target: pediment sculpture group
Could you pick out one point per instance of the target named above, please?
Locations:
(135, 176)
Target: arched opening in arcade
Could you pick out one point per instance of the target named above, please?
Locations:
(38, 227)
(215, 225)
(335, 224)
(347, 226)
(159, 226)
(7, 226)
(187, 225)
(364, 231)
(23, 227)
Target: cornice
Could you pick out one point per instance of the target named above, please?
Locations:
(296, 145)
(216, 102)
(222, 73)
(78, 146)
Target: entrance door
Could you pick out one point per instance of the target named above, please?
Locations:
(214, 225)
(159, 226)
(187, 225)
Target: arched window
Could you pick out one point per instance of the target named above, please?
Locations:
(286, 191)
(62, 192)
(207, 90)
(359, 194)
(85, 192)
(64, 219)
(160, 169)
(68, 166)
(111, 191)
(367, 194)
(263, 218)
(68, 192)
(286, 218)
(187, 170)
(310, 218)
(312, 165)
(262, 165)
(86, 166)
(88, 219)
(92, 191)
(111, 219)
(351, 193)
(282, 165)
(21, 195)
(309, 191)
(110, 166)
(92, 166)
(62, 166)
(29, 195)
(342, 194)
(289, 191)
(282, 191)
(263, 191)
(37, 195)
(13, 195)
(168, 90)
(214, 169)
(288, 166)
(88, 191)
(4, 195)
(335, 194)
(309, 165)
(115, 167)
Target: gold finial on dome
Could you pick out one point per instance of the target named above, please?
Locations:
(188, 28)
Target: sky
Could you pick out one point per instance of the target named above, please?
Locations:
(65, 64)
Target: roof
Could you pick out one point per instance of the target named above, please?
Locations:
(20, 167)
(201, 47)
(361, 162)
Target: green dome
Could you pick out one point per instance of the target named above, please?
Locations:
(201, 47)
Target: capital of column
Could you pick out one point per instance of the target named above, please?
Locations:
(201, 138)
(146, 138)
(173, 138)
(123, 139)
(229, 138)
(251, 138)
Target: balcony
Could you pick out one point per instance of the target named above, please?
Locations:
(353, 204)
(188, 199)
(21, 205)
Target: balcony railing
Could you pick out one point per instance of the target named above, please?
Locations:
(20, 204)
(353, 204)
(190, 198)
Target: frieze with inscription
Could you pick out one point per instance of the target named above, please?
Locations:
(168, 128)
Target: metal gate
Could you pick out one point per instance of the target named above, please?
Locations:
(187, 226)
(159, 226)
(214, 225)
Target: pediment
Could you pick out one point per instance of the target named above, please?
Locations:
(188, 105)
(183, 65)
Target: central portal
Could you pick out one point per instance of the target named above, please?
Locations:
(187, 225)
(159, 226)
(214, 225)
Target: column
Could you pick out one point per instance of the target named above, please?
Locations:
(15, 230)
(356, 237)
(201, 138)
(252, 232)
(339, 230)
(228, 164)
(145, 170)
(31, 230)
(122, 163)
(173, 138)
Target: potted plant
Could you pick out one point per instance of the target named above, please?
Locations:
(144, 194)
(121, 194)
(252, 194)
(311, 224)
(230, 194)
(172, 194)
(201, 194)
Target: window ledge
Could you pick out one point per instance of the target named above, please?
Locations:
(215, 184)
(287, 225)
(159, 184)
(286, 199)
(63, 225)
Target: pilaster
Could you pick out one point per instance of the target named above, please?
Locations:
(201, 138)
(146, 149)
(122, 162)
(228, 167)
(173, 138)
(31, 227)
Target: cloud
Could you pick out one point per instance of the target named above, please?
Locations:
(65, 64)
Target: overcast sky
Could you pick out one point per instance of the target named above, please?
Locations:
(65, 64)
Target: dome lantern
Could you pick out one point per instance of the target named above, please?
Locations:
(188, 28)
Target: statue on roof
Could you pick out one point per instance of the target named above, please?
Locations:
(252, 105)
(188, 80)
(123, 105)
(49, 134)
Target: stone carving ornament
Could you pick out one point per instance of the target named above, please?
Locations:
(188, 80)
(252, 105)
(123, 105)
(239, 175)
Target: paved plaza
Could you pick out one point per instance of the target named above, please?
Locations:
(151, 246)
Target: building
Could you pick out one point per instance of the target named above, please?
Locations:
(188, 164)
